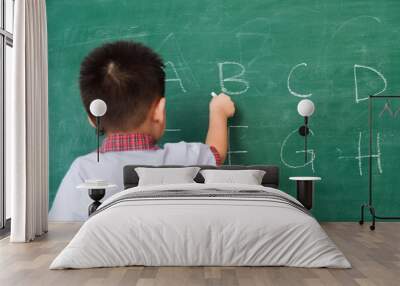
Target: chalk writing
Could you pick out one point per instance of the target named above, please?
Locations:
(172, 130)
(358, 98)
(359, 157)
(254, 33)
(170, 45)
(230, 152)
(309, 151)
(288, 82)
(387, 108)
(355, 19)
(177, 78)
(237, 78)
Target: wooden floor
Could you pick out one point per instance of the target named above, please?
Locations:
(375, 257)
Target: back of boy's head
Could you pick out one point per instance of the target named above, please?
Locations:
(128, 76)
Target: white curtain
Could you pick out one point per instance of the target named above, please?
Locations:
(27, 124)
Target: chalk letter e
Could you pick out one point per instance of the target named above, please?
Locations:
(358, 98)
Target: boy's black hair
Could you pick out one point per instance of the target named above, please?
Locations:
(128, 76)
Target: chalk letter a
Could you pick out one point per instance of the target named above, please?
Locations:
(176, 78)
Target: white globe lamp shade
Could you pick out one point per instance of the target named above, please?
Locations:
(98, 107)
(306, 108)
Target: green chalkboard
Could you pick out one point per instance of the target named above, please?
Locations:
(267, 55)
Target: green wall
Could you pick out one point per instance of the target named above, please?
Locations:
(266, 54)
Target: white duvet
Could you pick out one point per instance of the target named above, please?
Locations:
(200, 231)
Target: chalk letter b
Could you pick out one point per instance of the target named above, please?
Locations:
(235, 78)
(358, 98)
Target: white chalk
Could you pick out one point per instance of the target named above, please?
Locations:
(213, 94)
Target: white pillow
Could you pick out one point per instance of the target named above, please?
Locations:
(248, 177)
(163, 176)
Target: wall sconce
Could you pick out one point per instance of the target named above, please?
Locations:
(305, 108)
(98, 108)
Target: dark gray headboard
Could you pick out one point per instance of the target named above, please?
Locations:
(271, 177)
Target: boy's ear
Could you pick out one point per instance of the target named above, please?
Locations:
(159, 111)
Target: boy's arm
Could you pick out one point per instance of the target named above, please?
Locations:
(221, 108)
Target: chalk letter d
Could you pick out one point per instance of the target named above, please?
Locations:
(358, 98)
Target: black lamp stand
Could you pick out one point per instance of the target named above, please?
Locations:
(369, 205)
(304, 131)
(98, 136)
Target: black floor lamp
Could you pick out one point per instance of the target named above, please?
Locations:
(369, 205)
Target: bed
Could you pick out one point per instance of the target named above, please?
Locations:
(198, 224)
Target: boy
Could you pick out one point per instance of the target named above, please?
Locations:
(130, 78)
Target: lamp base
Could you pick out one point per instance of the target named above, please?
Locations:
(96, 195)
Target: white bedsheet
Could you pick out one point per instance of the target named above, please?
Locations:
(200, 231)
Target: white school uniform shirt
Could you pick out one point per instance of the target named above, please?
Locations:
(71, 204)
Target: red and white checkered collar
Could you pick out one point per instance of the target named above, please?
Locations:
(119, 142)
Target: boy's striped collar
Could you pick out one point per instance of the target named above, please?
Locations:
(119, 142)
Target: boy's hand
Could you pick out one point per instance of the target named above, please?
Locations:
(222, 105)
